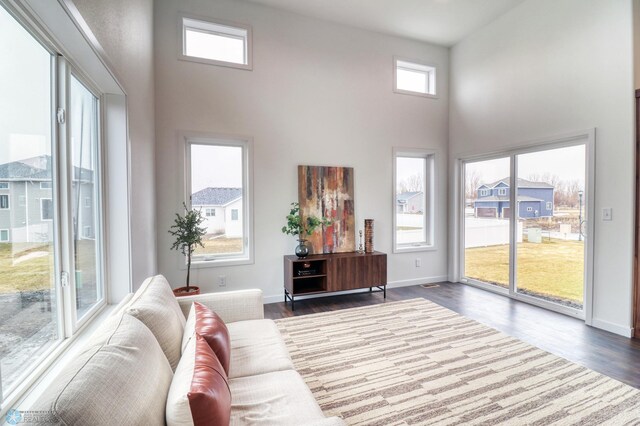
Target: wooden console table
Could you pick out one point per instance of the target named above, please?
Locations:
(327, 273)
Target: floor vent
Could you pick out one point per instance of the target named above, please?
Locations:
(429, 285)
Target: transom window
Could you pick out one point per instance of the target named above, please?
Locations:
(216, 42)
(218, 174)
(4, 185)
(414, 78)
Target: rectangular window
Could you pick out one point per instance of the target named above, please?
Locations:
(529, 209)
(413, 199)
(549, 205)
(216, 43)
(218, 173)
(502, 191)
(4, 185)
(87, 202)
(46, 209)
(86, 232)
(414, 78)
(59, 171)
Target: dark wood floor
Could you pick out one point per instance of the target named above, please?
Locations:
(604, 352)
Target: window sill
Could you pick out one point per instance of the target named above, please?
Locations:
(247, 67)
(33, 387)
(411, 249)
(219, 263)
(409, 92)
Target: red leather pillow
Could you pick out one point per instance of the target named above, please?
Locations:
(209, 395)
(211, 327)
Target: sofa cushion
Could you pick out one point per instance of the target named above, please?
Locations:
(210, 326)
(256, 348)
(199, 394)
(280, 398)
(120, 377)
(155, 305)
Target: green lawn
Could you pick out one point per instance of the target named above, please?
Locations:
(552, 268)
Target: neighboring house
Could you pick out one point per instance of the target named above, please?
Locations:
(535, 199)
(26, 201)
(410, 202)
(222, 210)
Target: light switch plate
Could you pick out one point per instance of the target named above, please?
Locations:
(607, 213)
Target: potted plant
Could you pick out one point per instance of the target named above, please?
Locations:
(302, 228)
(188, 233)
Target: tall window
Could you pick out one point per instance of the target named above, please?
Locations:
(413, 199)
(216, 43)
(40, 251)
(218, 174)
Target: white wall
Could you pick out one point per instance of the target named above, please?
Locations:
(320, 94)
(124, 29)
(549, 67)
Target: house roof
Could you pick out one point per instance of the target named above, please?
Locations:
(37, 168)
(215, 196)
(494, 198)
(522, 183)
(406, 196)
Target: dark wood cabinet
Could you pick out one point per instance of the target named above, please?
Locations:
(326, 273)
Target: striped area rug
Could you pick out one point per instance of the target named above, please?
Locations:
(415, 362)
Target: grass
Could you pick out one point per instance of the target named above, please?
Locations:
(220, 245)
(27, 275)
(552, 268)
(29, 266)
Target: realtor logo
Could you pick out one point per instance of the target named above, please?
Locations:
(13, 417)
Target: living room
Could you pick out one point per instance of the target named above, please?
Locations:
(319, 85)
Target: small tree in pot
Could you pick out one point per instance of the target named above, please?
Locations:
(188, 233)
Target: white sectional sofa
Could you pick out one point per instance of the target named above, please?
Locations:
(121, 378)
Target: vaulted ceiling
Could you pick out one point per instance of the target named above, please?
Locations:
(443, 22)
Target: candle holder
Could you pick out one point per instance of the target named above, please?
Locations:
(360, 246)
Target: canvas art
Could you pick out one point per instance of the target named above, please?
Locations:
(328, 192)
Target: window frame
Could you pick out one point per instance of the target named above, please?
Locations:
(246, 143)
(8, 240)
(248, 41)
(502, 191)
(430, 190)
(42, 218)
(5, 188)
(418, 63)
(8, 202)
(549, 205)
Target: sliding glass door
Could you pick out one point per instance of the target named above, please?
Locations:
(551, 215)
(487, 221)
(524, 226)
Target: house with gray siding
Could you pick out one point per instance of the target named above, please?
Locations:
(26, 201)
(534, 199)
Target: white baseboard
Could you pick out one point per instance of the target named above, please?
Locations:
(390, 284)
(613, 328)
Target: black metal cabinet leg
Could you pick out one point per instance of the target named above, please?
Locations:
(385, 291)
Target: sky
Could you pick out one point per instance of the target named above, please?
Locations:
(215, 166)
(567, 163)
(407, 167)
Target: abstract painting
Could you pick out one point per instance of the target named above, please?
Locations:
(328, 192)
